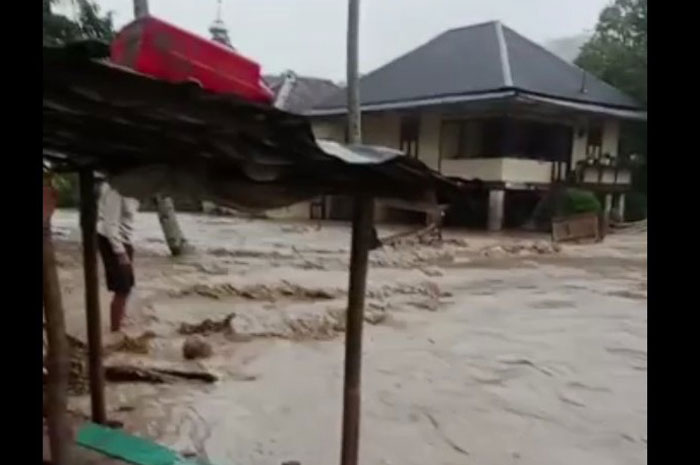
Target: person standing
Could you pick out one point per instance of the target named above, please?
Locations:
(115, 226)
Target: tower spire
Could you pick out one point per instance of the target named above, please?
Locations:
(218, 30)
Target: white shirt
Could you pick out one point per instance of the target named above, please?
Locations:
(115, 217)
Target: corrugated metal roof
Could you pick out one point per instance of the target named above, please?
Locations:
(114, 120)
(472, 60)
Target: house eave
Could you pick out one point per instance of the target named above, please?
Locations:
(418, 103)
(617, 112)
(522, 96)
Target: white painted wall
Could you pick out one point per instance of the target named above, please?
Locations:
(511, 170)
(520, 170)
(590, 175)
(611, 137)
(486, 169)
(580, 140)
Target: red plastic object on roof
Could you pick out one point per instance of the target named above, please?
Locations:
(153, 47)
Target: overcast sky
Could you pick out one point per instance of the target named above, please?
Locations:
(308, 36)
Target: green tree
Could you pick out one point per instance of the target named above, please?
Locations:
(59, 29)
(617, 51)
(89, 23)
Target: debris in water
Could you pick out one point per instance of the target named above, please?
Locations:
(432, 272)
(131, 373)
(260, 292)
(520, 249)
(211, 268)
(136, 345)
(208, 326)
(196, 347)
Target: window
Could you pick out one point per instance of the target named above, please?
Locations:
(408, 136)
(472, 138)
(492, 137)
(505, 137)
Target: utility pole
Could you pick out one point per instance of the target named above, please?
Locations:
(353, 89)
(166, 207)
(362, 228)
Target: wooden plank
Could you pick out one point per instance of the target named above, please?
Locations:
(576, 227)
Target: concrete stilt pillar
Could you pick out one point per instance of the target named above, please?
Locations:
(608, 205)
(496, 208)
(620, 207)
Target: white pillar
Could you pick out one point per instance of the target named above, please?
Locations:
(608, 205)
(496, 207)
(620, 207)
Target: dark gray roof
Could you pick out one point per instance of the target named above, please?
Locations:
(306, 93)
(480, 59)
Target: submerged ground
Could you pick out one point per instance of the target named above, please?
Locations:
(484, 350)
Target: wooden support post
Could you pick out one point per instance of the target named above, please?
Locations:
(361, 241)
(88, 225)
(57, 353)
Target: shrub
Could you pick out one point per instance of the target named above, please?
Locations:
(580, 201)
(563, 202)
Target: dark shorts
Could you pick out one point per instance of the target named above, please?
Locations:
(120, 278)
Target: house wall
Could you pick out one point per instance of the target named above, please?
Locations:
(429, 139)
(485, 169)
(520, 170)
(611, 137)
(580, 140)
(611, 140)
(330, 130)
(377, 129)
(381, 129)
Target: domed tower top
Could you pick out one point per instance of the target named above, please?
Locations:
(218, 30)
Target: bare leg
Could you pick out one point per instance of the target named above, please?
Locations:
(117, 310)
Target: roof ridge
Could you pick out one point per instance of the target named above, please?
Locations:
(543, 48)
(503, 55)
(569, 63)
(470, 26)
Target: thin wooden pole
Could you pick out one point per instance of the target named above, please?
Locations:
(57, 353)
(361, 242)
(88, 225)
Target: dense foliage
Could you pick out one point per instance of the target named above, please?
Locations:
(59, 29)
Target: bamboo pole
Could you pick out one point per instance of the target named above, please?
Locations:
(362, 227)
(88, 226)
(57, 352)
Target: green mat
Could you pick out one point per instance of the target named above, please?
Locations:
(120, 445)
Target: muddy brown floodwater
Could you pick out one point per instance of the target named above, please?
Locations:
(491, 349)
